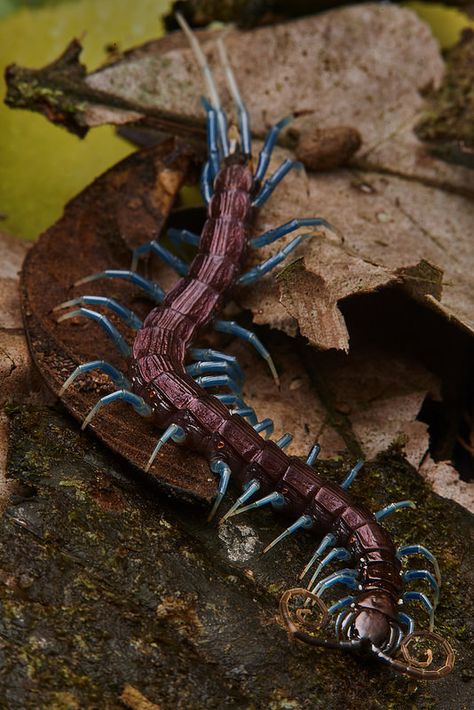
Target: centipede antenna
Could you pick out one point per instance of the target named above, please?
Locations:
(209, 78)
(351, 475)
(252, 487)
(305, 521)
(244, 120)
(174, 432)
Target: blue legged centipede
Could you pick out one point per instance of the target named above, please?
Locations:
(168, 380)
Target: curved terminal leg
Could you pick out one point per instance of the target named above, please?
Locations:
(233, 328)
(344, 576)
(304, 521)
(283, 442)
(223, 470)
(423, 574)
(218, 381)
(273, 234)
(183, 236)
(250, 489)
(266, 266)
(138, 403)
(104, 322)
(407, 550)
(155, 247)
(327, 541)
(264, 425)
(115, 375)
(174, 432)
(349, 479)
(270, 184)
(128, 316)
(420, 597)
(269, 144)
(275, 499)
(313, 454)
(150, 288)
(380, 514)
(337, 553)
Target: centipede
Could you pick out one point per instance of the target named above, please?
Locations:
(193, 396)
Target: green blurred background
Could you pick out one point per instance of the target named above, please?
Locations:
(42, 166)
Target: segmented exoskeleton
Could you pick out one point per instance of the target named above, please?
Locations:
(168, 381)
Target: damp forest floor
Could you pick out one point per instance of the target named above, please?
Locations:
(114, 596)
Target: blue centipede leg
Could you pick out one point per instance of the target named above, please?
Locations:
(269, 144)
(183, 236)
(138, 403)
(214, 367)
(326, 542)
(173, 432)
(265, 425)
(345, 601)
(313, 454)
(245, 412)
(348, 577)
(229, 326)
(407, 620)
(284, 440)
(277, 500)
(270, 184)
(128, 316)
(426, 575)
(380, 514)
(206, 354)
(349, 479)
(407, 550)
(420, 597)
(115, 375)
(155, 247)
(205, 183)
(151, 289)
(270, 263)
(304, 522)
(104, 322)
(250, 488)
(273, 234)
(337, 553)
(223, 470)
(233, 399)
(218, 381)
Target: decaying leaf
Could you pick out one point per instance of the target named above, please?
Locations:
(449, 121)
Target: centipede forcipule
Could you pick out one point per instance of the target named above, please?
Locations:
(169, 379)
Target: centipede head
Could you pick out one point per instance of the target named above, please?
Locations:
(370, 629)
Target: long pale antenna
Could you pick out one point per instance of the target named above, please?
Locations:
(244, 120)
(201, 60)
